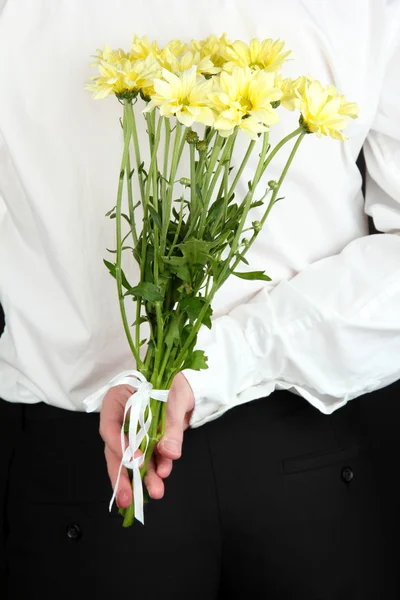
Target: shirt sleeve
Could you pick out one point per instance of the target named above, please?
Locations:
(331, 333)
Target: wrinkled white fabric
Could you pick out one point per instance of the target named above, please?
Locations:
(327, 326)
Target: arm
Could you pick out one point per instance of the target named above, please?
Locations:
(333, 331)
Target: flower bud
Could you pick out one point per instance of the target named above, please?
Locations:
(245, 243)
(273, 185)
(256, 226)
(201, 146)
(184, 181)
(192, 137)
(304, 125)
(144, 97)
(128, 95)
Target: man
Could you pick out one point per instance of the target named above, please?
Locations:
(274, 497)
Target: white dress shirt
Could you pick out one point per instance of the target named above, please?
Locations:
(327, 326)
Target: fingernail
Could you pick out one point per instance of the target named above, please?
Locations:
(171, 446)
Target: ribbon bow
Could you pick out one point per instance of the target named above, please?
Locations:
(138, 427)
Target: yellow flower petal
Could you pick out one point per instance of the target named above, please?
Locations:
(323, 110)
(266, 54)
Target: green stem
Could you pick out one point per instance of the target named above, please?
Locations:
(224, 190)
(225, 153)
(118, 268)
(172, 175)
(202, 208)
(207, 179)
(218, 282)
(242, 167)
(163, 365)
(279, 146)
(226, 193)
(167, 142)
(130, 200)
(178, 229)
(154, 143)
(163, 418)
(274, 195)
(248, 200)
(153, 147)
(193, 191)
(137, 150)
(159, 347)
(148, 359)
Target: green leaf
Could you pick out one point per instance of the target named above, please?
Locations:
(182, 272)
(148, 269)
(142, 169)
(173, 333)
(127, 219)
(195, 252)
(112, 269)
(215, 210)
(156, 217)
(148, 291)
(140, 321)
(193, 305)
(196, 361)
(185, 332)
(198, 191)
(110, 211)
(257, 203)
(174, 260)
(179, 267)
(136, 253)
(207, 317)
(123, 248)
(243, 259)
(253, 275)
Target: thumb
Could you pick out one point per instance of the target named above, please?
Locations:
(180, 403)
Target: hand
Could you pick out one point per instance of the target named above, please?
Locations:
(179, 409)
(180, 406)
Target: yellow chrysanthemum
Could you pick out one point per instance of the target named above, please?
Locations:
(176, 47)
(213, 48)
(124, 77)
(243, 99)
(141, 48)
(266, 54)
(348, 109)
(186, 62)
(324, 111)
(109, 55)
(184, 95)
(290, 88)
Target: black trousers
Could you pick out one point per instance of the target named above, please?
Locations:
(273, 499)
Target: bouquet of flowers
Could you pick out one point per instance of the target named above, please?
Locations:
(193, 231)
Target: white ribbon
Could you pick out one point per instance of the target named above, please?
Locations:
(138, 427)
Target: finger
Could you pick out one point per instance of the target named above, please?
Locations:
(124, 494)
(164, 466)
(153, 483)
(176, 410)
(112, 416)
